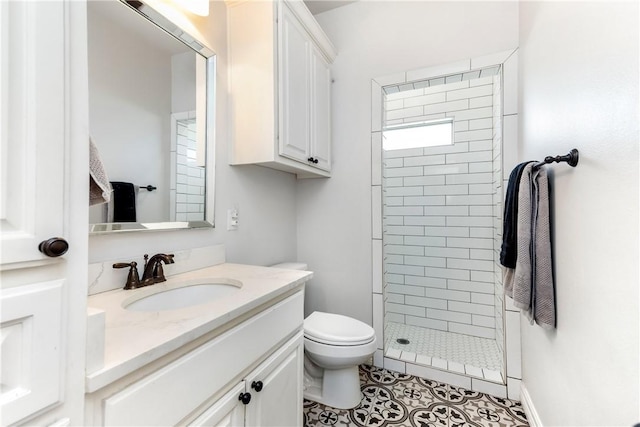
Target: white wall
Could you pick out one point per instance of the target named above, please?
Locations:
(375, 39)
(579, 88)
(266, 199)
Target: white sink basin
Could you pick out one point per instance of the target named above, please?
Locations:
(182, 295)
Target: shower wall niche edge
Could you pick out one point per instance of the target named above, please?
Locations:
(511, 345)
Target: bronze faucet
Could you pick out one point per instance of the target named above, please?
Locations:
(153, 272)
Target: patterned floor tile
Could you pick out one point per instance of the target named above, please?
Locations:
(393, 399)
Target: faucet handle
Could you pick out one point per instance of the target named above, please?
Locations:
(133, 279)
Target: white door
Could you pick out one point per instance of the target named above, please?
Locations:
(228, 411)
(294, 88)
(276, 388)
(320, 111)
(44, 195)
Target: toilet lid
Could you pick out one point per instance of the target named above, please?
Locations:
(336, 329)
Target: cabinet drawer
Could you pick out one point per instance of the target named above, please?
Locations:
(173, 392)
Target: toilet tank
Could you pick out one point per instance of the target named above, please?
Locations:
(292, 266)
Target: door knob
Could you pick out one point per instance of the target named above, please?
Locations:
(54, 247)
(245, 398)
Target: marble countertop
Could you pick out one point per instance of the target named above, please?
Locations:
(136, 338)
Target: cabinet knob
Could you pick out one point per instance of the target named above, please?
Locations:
(257, 386)
(315, 161)
(310, 159)
(54, 247)
(245, 398)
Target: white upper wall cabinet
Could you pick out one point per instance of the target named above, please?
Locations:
(280, 86)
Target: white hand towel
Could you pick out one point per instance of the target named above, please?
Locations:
(99, 187)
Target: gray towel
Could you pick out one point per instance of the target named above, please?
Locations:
(99, 187)
(530, 284)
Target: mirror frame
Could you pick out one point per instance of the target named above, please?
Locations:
(173, 30)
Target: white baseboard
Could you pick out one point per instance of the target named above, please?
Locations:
(527, 404)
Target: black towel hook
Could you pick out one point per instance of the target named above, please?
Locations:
(571, 158)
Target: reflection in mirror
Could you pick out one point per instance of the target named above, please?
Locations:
(150, 115)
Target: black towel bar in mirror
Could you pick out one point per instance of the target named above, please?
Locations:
(148, 187)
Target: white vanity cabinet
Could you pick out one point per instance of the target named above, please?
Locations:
(280, 84)
(250, 373)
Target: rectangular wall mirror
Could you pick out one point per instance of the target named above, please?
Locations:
(151, 117)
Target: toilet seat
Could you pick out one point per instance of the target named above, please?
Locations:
(337, 330)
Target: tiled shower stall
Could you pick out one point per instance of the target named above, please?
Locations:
(441, 207)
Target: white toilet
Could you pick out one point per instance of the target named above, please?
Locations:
(334, 346)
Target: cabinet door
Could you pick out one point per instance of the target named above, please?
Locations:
(320, 111)
(279, 401)
(294, 88)
(44, 193)
(226, 412)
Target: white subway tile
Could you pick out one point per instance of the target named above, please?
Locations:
(473, 135)
(378, 317)
(394, 365)
(405, 289)
(394, 104)
(484, 101)
(446, 210)
(445, 107)
(510, 88)
(514, 356)
(426, 323)
(447, 273)
(424, 261)
(481, 145)
(408, 152)
(405, 113)
(394, 353)
(461, 125)
(378, 359)
(492, 375)
(474, 371)
(404, 250)
(438, 375)
(431, 190)
(481, 123)
(393, 163)
(513, 388)
(392, 220)
(433, 98)
(459, 147)
(405, 269)
(412, 310)
(485, 254)
(447, 231)
(425, 160)
(481, 210)
(394, 298)
(456, 367)
(397, 172)
(472, 92)
(403, 210)
(423, 359)
(425, 220)
(423, 303)
(427, 200)
(392, 200)
(485, 321)
(469, 200)
(446, 252)
(394, 259)
(468, 221)
(461, 168)
(465, 285)
(425, 180)
(448, 315)
(471, 243)
(474, 113)
(405, 230)
(403, 191)
(376, 263)
(482, 276)
(431, 282)
(480, 298)
(376, 106)
(408, 356)
(425, 241)
(481, 232)
(394, 317)
(376, 212)
(476, 331)
(470, 308)
(436, 362)
(392, 182)
(493, 389)
(469, 178)
(394, 278)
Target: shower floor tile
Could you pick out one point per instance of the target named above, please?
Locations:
(473, 352)
(392, 399)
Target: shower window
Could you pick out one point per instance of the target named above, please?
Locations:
(416, 135)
